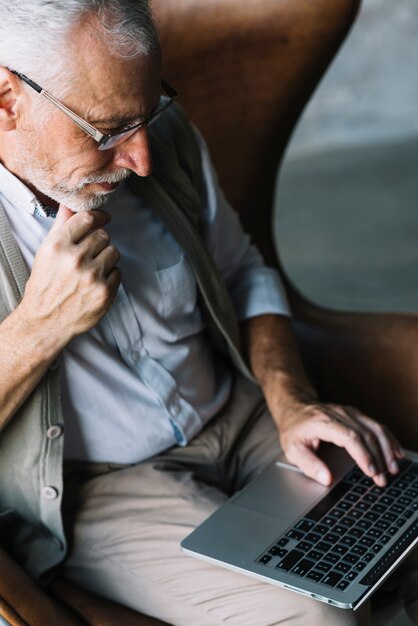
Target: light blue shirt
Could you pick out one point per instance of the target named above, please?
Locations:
(146, 377)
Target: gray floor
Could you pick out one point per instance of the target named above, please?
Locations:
(347, 225)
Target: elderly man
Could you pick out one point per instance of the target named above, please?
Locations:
(120, 329)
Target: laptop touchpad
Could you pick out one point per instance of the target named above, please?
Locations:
(281, 492)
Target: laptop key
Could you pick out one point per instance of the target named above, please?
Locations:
(331, 538)
(342, 567)
(276, 551)
(290, 560)
(303, 567)
(400, 522)
(282, 542)
(351, 576)
(304, 546)
(379, 508)
(315, 575)
(386, 500)
(340, 529)
(332, 557)
(323, 566)
(295, 534)
(366, 541)
(321, 529)
(323, 546)
(360, 566)
(351, 558)
(265, 559)
(376, 548)
(332, 578)
(368, 557)
(375, 533)
(343, 584)
(348, 540)
(385, 539)
(356, 532)
(339, 549)
(396, 508)
(404, 501)
(394, 493)
(363, 523)
(360, 550)
(305, 525)
(408, 513)
(315, 555)
(314, 537)
(383, 524)
(412, 493)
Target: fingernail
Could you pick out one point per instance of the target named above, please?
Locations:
(381, 479)
(394, 467)
(323, 477)
(372, 468)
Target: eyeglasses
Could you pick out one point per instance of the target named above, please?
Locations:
(110, 140)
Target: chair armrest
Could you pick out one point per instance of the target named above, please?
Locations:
(23, 603)
(368, 360)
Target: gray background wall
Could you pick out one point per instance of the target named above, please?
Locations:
(347, 210)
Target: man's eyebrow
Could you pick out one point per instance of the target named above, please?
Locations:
(118, 121)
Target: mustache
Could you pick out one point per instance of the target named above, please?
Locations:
(115, 177)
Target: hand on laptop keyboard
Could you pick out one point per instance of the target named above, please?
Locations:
(372, 446)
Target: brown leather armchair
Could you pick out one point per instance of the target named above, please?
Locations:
(244, 71)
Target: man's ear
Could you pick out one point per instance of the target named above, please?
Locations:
(9, 88)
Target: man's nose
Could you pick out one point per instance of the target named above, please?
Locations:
(135, 153)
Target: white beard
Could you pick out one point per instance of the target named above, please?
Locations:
(62, 191)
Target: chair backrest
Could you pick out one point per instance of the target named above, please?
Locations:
(244, 71)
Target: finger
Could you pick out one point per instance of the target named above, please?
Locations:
(387, 441)
(113, 280)
(310, 464)
(63, 215)
(86, 221)
(345, 437)
(371, 440)
(94, 243)
(107, 259)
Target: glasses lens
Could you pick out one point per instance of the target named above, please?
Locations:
(114, 140)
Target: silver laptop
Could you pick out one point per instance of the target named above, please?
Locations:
(335, 544)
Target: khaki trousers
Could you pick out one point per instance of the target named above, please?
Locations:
(126, 523)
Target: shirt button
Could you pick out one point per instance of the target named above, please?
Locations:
(50, 493)
(135, 355)
(54, 432)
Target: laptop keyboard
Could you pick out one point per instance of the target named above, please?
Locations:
(348, 529)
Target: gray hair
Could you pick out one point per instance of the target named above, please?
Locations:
(33, 34)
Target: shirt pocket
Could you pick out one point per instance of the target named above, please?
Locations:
(179, 291)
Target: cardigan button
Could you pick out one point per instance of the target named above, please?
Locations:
(50, 493)
(54, 432)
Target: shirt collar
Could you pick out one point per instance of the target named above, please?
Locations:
(18, 194)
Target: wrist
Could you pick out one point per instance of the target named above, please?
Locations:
(40, 337)
(285, 395)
